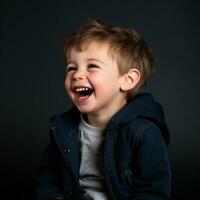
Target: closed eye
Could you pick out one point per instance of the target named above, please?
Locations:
(93, 66)
(71, 68)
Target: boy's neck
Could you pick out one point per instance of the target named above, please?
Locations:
(102, 120)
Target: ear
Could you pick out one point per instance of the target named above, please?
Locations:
(130, 79)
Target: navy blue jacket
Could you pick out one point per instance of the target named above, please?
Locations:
(136, 158)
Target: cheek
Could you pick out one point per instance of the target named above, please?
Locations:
(103, 80)
(104, 85)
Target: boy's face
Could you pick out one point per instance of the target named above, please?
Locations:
(93, 81)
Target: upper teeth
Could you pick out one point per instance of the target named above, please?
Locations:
(82, 89)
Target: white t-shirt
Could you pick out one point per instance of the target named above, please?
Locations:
(91, 167)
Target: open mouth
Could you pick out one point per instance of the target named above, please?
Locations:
(83, 91)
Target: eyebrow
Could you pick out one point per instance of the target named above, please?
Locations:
(89, 59)
(70, 62)
(96, 60)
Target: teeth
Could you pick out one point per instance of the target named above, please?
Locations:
(82, 89)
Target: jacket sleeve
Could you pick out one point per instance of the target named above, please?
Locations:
(151, 175)
(47, 180)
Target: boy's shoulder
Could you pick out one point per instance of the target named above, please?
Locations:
(141, 113)
(70, 117)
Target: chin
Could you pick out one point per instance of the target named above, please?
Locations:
(84, 109)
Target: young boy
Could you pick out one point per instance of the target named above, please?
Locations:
(113, 143)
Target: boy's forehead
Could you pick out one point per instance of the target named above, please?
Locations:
(91, 46)
(95, 46)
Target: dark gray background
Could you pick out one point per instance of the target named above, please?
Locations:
(32, 74)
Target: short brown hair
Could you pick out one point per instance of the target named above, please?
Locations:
(126, 46)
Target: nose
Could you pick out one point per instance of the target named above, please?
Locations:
(79, 74)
